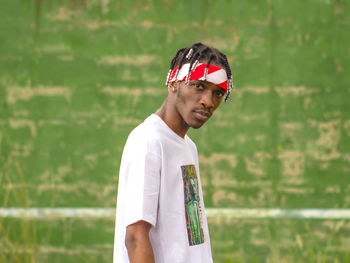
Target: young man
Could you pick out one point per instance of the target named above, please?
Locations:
(160, 209)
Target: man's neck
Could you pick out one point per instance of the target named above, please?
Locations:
(172, 119)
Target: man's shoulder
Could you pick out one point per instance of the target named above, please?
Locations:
(147, 129)
(146, 134)
(191, 143)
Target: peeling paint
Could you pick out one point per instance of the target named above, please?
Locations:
(293, 163)
(295, 91)
(23, 123)
(137, 61)
(17, 93)
(134, 91)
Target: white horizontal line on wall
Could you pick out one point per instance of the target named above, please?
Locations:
(225, 213)
(278, 213)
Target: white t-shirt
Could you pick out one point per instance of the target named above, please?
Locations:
(159, 183)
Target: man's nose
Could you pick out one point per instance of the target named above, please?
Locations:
(207, 99)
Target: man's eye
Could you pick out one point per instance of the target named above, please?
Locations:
(219, 93)
(199, 86)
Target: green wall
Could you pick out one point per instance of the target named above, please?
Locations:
(76, 76)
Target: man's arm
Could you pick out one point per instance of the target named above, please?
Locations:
(138, 244)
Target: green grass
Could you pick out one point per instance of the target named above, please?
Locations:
(18, 237)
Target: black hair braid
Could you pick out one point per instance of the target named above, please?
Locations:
(173, 61)
(229, 75)
(208, 63)
(181, 62)
(202, 52)
(184, 58)
(196, 56)
(192, 60)
(172, 64)
(227, 66)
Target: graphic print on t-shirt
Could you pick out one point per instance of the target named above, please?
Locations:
(193, 208)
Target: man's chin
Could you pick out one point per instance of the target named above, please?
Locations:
(197, 125)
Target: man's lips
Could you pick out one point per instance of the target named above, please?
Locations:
(202, 114)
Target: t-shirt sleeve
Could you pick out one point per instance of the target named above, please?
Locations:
(140, 180)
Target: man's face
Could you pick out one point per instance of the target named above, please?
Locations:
(197, 101)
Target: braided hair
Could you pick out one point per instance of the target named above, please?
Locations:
(200, 52)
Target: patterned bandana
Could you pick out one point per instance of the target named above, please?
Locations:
(213, 74)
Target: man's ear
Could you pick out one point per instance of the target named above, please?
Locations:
(173, 86)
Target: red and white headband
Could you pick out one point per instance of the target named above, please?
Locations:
(200, 71)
